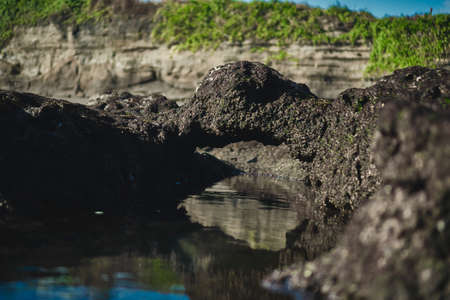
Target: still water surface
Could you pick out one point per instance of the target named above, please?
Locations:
(234, 237)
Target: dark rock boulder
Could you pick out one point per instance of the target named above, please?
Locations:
(242, 101)
(396, 246)
(328, 140)
(60, 158)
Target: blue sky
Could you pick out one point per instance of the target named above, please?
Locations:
(380, 8)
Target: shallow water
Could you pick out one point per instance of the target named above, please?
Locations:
(241, 238)
(261, 224)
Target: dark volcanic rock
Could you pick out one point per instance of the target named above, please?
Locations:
(396, 246)
(243, 101)
(60, 158)
(251, 82)
(328, 140)
(341, 167)
(132, 105)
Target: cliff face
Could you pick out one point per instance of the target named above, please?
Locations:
(78, 62)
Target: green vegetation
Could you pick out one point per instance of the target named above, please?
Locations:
(206, 24)
(403, 42)
(202, 24)
(158, 274)
(396, 42)
(31, 12)
(446, 103)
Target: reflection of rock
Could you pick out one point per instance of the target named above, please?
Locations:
(298, 223)
(226, 269)
(262, 226)
(396, 246)
(164, 256)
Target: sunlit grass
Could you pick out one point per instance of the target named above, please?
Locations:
(202, 24)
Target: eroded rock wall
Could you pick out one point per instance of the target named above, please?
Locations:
(82, 61)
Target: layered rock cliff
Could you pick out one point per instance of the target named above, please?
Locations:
(81, 61)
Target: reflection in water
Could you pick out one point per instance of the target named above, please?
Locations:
(199, 264)
(49, 290)
(112, 278)
(261, 223)
(103, 257)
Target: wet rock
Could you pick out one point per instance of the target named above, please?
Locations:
(396, 246)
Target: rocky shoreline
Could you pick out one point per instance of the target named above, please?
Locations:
(376, 158)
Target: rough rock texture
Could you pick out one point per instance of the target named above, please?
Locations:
(243, 101)
(61, 158)
(132, 105)
(82, 61)
(330, 139)
(396, 246)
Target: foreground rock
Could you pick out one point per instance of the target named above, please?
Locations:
(396, 246)
(60, 158)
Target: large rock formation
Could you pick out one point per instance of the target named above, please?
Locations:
(328, 141)
(61, 158)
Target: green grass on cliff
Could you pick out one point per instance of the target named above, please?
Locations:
(201, 24)
(396, 42)
(205, 24)
(403, 42)
(31, 12)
